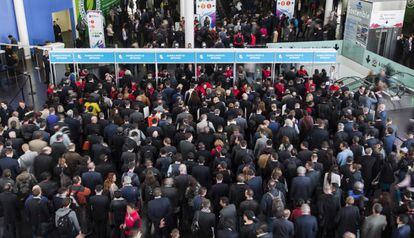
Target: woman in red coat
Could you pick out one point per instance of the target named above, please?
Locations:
(132, 223)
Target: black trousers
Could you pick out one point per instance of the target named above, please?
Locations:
(99, 229)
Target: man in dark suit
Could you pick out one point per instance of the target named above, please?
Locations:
(38, 212)
(99, 205)
(159, 212)
(301, 186)
(249, 204)
(186, 146)
(217, 191)
(403, 230)
(91, 178)
(74, 126)
(206, 220)
(9, 163)
(348, 218)
(58, 149)
(282, 227)
(304, 154)
(236, 193)
(202, 173)
(306, 226)
(9, 209)
(105, 167)
(117, 210)
(216, 119)
(228, 212)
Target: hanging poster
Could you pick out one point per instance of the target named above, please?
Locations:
(286, 7)
(206, 12)
(96, 29)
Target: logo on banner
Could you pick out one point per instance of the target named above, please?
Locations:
(206, 9)
(82, 10)
(410, 3)
(286, 7)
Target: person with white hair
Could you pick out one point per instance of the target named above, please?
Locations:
(289, 131)
(301, 186)
(306, 226)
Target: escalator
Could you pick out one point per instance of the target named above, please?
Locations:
(396, 86)
(398, 95)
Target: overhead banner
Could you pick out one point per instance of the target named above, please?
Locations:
(387, 19)
(286, 7)
(83, 6)
(206, 9)
(205, 56)
(96, 29)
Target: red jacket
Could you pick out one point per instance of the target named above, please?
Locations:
(133, 222)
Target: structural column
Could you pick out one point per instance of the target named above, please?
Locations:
(182, 8)
(189, 22)
(328, 10)
(21, 25)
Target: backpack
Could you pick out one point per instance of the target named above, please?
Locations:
(24, 188)
(275, 201)
(64, 225)
(239, 40)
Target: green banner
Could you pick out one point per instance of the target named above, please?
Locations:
(82, 7)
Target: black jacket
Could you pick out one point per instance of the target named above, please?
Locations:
(283, 228)
(37, 210)
(202, 174)
(306, 226)
(300, 188)
(207, 222)
(216, 192)
(348, 219)
(159, 208)
(118, 210)
(91, 178)
(236, 193)
(42, 163)
(9, 207)
(99, 205)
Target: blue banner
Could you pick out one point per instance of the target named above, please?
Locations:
(294, 57)
(255, 57)
(215, 57)
(324, 57)
(204, 57)
(175, 57)
(61, 57)
(135, 57)
(94, 57)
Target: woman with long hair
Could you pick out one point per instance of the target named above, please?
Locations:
(194, 102)
(332, 177)
(148, 186)
(110, 185)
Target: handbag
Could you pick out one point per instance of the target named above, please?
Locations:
(375, 181)
(86, 145)
(195, 226)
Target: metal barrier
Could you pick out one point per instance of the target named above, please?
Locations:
(21, 90)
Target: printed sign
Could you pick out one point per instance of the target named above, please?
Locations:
(206, 12)
(96, 30)
(59, 57)
(286, 7)
(94, 57)
(175, 57)
(255, 57)
(215, 57)
(134, 57)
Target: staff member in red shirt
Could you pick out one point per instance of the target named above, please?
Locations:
(132, 223)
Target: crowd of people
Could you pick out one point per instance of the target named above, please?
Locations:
(299, 157)
(241, 23)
